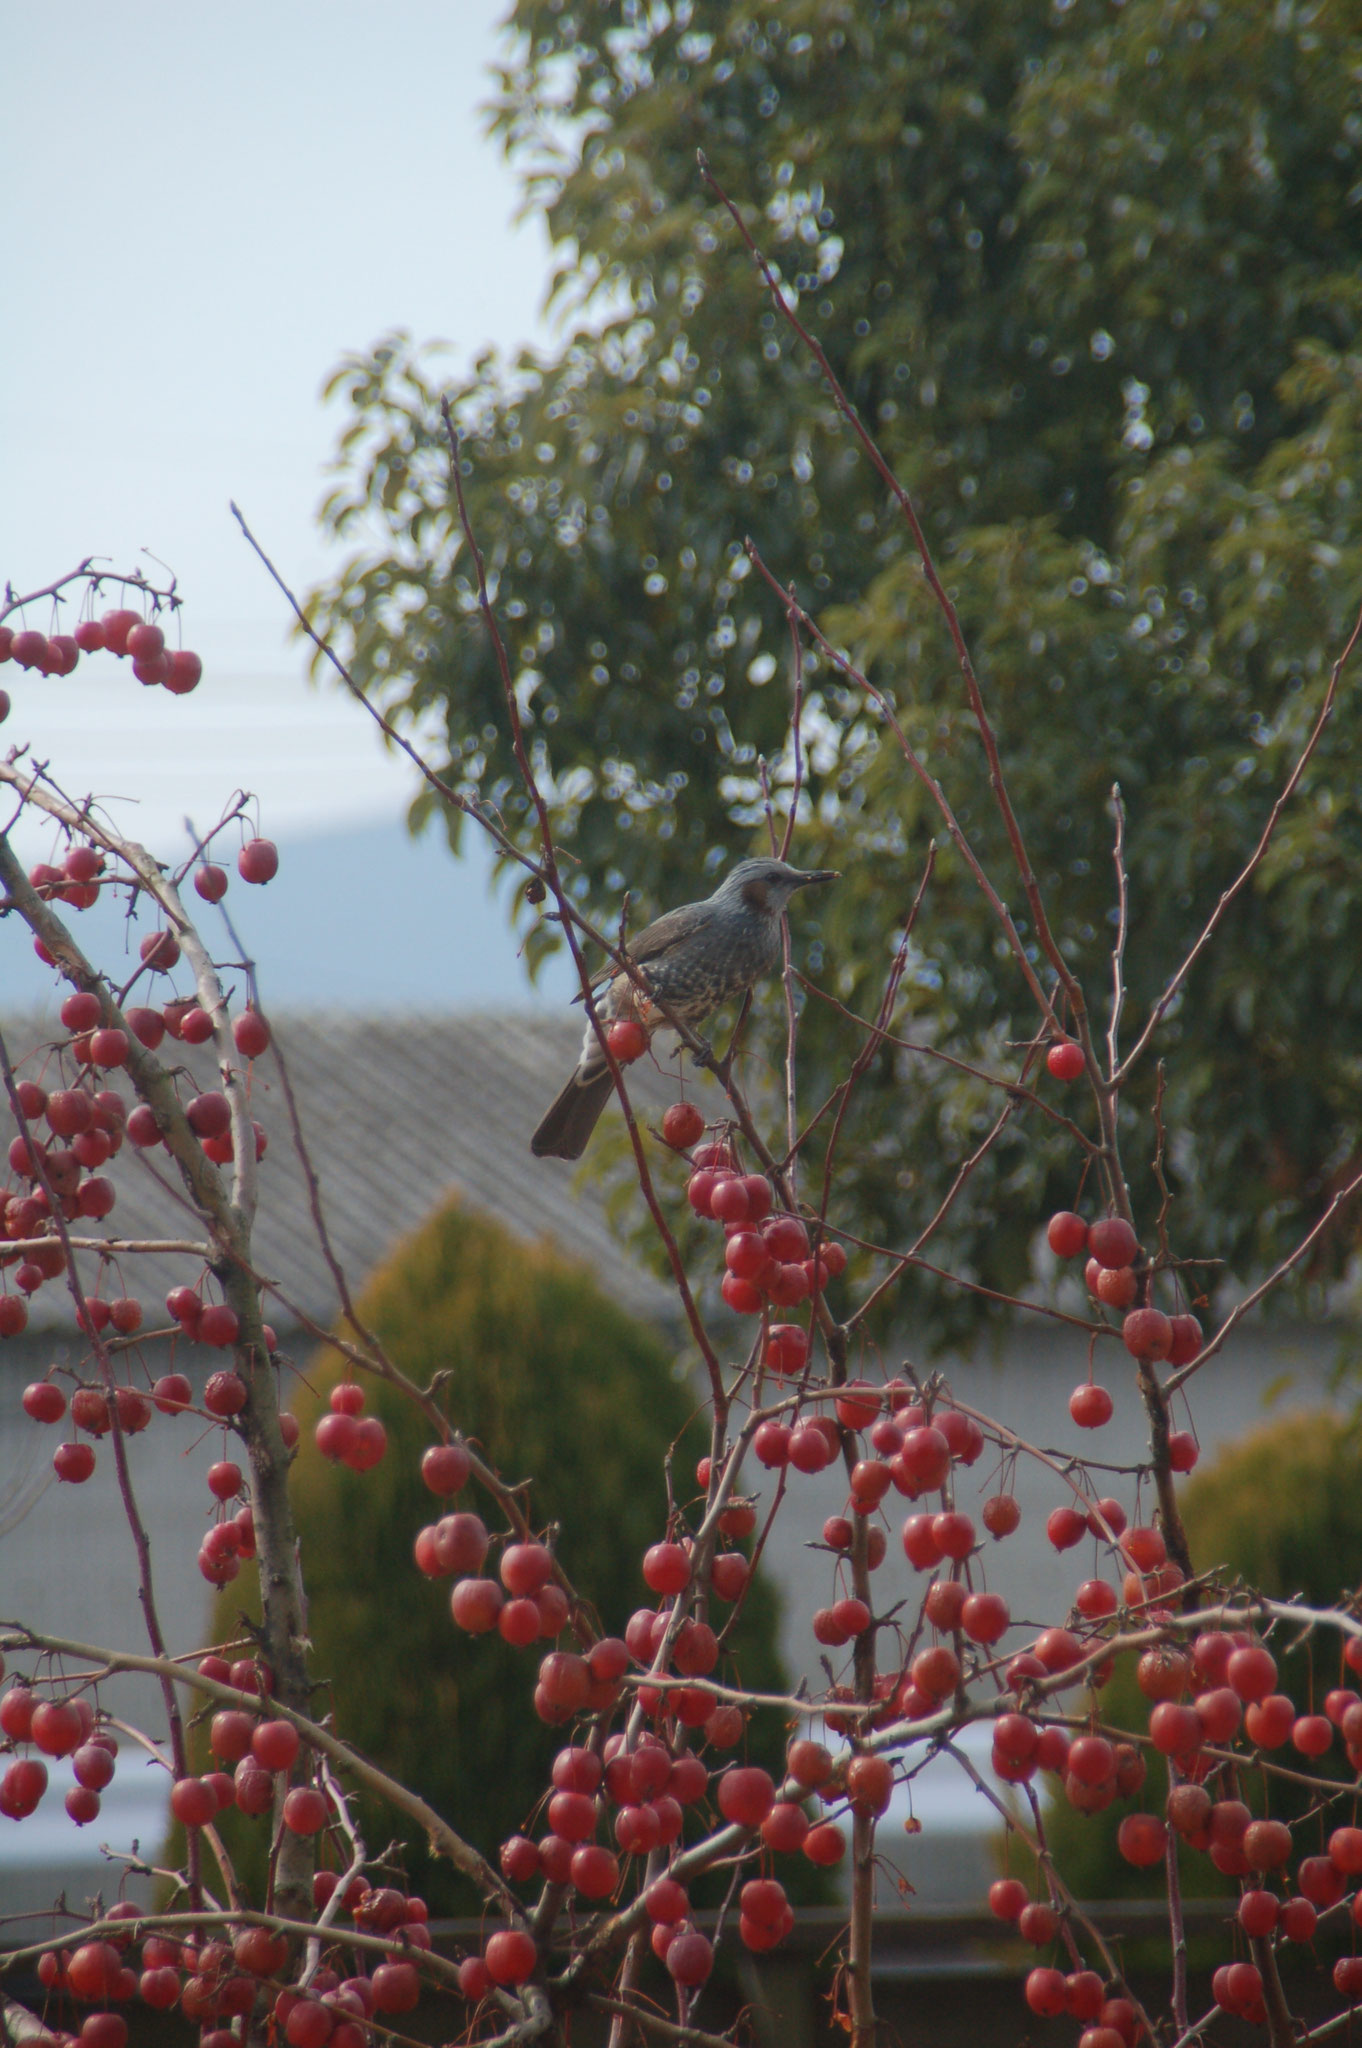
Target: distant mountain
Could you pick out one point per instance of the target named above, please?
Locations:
(364, 919)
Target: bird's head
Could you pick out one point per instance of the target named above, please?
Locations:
(767, 885)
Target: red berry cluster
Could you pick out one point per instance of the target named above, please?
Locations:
(121, 632)
(346, 1435)
(768, 1260)
(648, 1789)
(1212, 1707)
(1113, 1278)
(643, 1787)
(215, 1983)
(68, 1131)
(86, 1127)
(54, 1727)
(231, 1540)
(77, 884)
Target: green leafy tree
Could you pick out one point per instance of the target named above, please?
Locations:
(1089, 274)
(548, 1377)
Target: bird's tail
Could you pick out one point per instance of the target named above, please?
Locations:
(568, 1124)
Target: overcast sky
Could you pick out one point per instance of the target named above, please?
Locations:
(204, 210)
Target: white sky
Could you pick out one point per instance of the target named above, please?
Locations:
(204, 209)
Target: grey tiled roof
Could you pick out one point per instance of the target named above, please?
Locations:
(398, 1112)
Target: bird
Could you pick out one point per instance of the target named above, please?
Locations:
(693, 958)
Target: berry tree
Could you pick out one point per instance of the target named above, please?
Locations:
(653, 1787)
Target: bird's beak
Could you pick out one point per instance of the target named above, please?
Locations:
(818, 875)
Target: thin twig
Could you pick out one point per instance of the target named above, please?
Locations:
(1254, 861)
(1118, 951)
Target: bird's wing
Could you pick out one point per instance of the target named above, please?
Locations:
(654, 940)
(666, 931)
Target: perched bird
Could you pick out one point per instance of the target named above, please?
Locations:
(693, 959)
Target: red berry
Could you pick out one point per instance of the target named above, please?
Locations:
(627, 1040)
(193, 1802)
(305, 1810)
(985, 1617)
(746, 1795)
(1141, 1839)
(870, 1779)
(144, 641)
(57, 1727)
(666, 1568)
(81, 1011)
(211, 883)
(149, 1028)
(73, 1462)
(108, 1048)
(1112, 1242)
(1298, 1920)
(258, 861)
(1251, 1672)
(1058, 1649)
(182, 676)
(825, 1845)
(476, 1605)
(1187, 1340)
(29, 649)
(1147, 1333)
(953, 1534)
(1044, 1992)
(225, 1393)
(43, 1401)
(93, 1765)
(251, 1034)
(1345, 1852)
(445, 1468)
(209, 1115)
(1066, 1234)
(160, 951)
(509, 1957)
(1312, 1735)
(93, 1970)
(1146, 1549)
(1000, 1515)
(594, 1870)
(682, 1126)
(1065, 1059)
(1090, 1406)
(1266, 1844)
(218, 1326)
(689, 1957)
(83, 863)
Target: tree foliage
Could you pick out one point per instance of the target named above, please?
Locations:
(1088, 272)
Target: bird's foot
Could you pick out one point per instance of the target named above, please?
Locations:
(702, 1054)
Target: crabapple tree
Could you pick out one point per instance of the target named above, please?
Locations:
(589, 1906)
